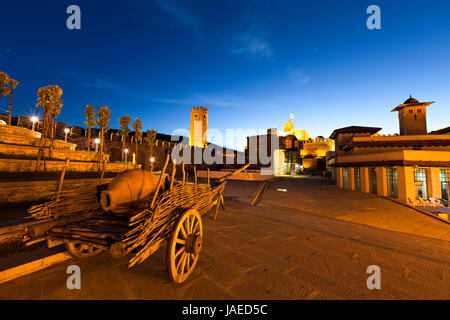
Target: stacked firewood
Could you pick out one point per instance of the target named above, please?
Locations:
(70, 202)
(101, 231)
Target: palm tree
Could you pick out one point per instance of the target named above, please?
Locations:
(49, 99)
(150, 140)
(103, 115)
(12, 86)
(91, 121)
(124, 130)
(4, 80)
(137, 126)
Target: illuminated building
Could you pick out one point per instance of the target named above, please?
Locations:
(413, 167)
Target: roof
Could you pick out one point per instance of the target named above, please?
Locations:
(441, 131)
(354, 129)
(411, 102)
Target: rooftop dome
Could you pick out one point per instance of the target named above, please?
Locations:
(411, 100)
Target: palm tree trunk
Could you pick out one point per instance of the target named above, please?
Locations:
(101, 147)
(123, 146)
(10, 106)
(89, 139)
(136, 159)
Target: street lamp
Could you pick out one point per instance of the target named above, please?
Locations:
(152, 160)
(34, 119)
(126, 155)
(97, 141)
(66, 131)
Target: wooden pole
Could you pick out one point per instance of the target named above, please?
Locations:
(261, 191)
(195, 175)
(209, 182)
(233, 173)
(61, 179)
(187, 177)
(174, 168)
(184, 172)
(103, 171)
(161, 177)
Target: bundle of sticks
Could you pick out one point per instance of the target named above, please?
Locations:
(70, 202)
(101, 231)
(154, 226)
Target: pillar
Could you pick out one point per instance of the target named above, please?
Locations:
(364, 172)
(434, 188)
(339, 180)
(406, 187)
(381, 181)
(351, 178)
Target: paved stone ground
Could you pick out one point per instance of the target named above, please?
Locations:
(293, 245)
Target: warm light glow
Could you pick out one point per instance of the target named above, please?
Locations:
(97, 141)
(34, 119)
(66, 130)
(152, 159)
(126, 150)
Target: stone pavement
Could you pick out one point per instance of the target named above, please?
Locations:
(273, 251)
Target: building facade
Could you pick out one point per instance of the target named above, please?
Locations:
(412, 167)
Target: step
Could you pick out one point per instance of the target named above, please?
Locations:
(11, 150)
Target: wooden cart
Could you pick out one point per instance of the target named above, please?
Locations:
(173, 218)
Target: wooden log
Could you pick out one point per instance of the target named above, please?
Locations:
(61, 179)
(233, 173)
(161, 177)
(103, 172)
(195, 175)
(184, 172)
(40, 229)
(174, 168)
(260, 192)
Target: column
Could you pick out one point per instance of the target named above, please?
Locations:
(434, 188)
(406, 187)
(339, 180)
(351, 178)
(381, 181)
(364, 172)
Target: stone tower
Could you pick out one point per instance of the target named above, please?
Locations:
(199, 127)
(412, 116)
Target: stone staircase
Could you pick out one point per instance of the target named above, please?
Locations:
(19, 149)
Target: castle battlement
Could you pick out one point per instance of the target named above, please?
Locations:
(200, 108)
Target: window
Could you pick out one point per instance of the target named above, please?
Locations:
(445, 183)
(419, 111)
(373, 180)
(345, 177)
(392, 182)
(420, 181)
(410, 110)
(357, 178)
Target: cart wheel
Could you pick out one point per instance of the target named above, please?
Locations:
(82, 250)
(184, 246)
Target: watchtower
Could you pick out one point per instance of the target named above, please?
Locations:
(412, 116)
(199, 127)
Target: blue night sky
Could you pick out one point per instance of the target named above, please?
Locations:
(252, 63)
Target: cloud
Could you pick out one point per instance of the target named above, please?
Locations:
(298, 77)
(205, 100)
(254, 46)
(179, 13)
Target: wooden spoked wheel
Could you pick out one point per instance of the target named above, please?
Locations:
(82, 250)
(184, 246)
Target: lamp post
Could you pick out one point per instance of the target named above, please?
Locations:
(126, 155)
(97, 141)
(66, 131)
(34, 119)
(152, 160)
